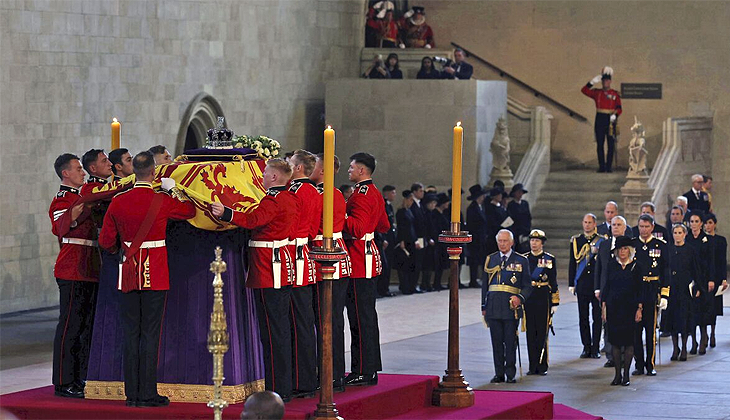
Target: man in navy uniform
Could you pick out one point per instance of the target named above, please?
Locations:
(653, 254)
(505, 287)
(583, 248)
(542, 303)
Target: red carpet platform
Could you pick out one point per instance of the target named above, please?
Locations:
(395, 397)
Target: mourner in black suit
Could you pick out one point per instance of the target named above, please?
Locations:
(496, 215)
(609, 212)
(697, 199)
(476, 224)
(387, 242)
(406, 245)
(506, 285)
(659, 232)
(440, 220)
(519, 210)
(420, 224)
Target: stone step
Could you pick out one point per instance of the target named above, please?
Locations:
(586, 175)
(576, 197)
(565, 212)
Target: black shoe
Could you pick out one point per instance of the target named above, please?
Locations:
(157, 401)
(511, 380)
(585, 355)
(638, 372)
(439, 287)
(595, 355)
(712, 340)
(693, 350)
(609, 170)
(131, 402)
(601, 170)
(616, 381)
(68, 391)
(683, 355)
(474, 285)
(651, 372)
(338, 385)
(285, 398)
(497, 379)
(80, 384)
(529, 373)
(625, 382)
(354, 379)
(665, 334)
(418, 290)
(462, 286)
(298, 393)
(542, 373)
(609, 364)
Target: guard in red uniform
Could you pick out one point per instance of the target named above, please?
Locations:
(271, 269)
(608, 108)
(99, 168)
(136, 222)
(304, 342)
(365, 216)
(77, 276)
(341, 276)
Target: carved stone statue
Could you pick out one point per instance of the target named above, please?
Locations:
(637, 151)
(500, 149)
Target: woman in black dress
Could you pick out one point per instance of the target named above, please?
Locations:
(621, 305)
(718, 246)
(703, 305)
(406, 240)
(684, 265)
(428, 71)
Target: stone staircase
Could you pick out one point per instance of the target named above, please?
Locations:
(565, 198)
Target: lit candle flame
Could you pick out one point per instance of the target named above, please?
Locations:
(458, 124)
(114, 119)
(329, 127)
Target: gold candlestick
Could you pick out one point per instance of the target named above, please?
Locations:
(218, 335)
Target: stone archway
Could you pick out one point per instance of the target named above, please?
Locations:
(200, 115)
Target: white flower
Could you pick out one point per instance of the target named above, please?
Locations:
(275, 143)
(257, 144)
(267, 152)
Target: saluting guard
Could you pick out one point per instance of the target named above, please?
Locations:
(542, 303)
(608, 109)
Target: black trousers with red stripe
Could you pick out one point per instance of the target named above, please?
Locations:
(273, 307)
(339, 297)
(72, 342)
(364, 331)
(303, 339)
(142, 313)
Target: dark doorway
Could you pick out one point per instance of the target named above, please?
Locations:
(191, 139)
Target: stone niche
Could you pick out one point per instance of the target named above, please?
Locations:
(408, 126)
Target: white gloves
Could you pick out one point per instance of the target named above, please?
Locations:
(408, 14)
(428, 46)
(596, 80)
(402, 45)
(168, 184)
(571, 290)
(663, 304)
(613, 118)
(553, 309)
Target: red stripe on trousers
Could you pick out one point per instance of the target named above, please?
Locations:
(63, 337)
(271, 344)
(162, 321)
(357, 314)
(296, 346)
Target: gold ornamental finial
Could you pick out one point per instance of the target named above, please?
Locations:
(218, 339)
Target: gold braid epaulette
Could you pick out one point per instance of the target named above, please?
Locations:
(492, 271)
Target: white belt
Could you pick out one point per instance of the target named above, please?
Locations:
(276, 246)
(299, 241)
(79, 241)
(368, 238)
(149, 244)
(335, 236)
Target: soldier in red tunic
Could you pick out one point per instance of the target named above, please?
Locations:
(136, 222)
(341, 276)
(365, 216)
(77, 276)
(271, 269)
(608, 108)
(304, 363)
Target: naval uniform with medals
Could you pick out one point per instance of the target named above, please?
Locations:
(583, 249)
(652, 256)
(506, 275)
(538, 306)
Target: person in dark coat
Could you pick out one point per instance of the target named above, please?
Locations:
(387, 242)
(718, 247)
(684, 266)
(519, 210)
(428, 71)
(440, 222)
(704, 304)
(622, 307)
(419, 223)
(476, 224)
(406, 244)
(605, 247)
(430, 239)
(393, 64)
(496, 215)
(659, 232)
(675, 216)
(697, 199)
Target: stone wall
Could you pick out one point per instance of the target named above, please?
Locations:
(68, 67)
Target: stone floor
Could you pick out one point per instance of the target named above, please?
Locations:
(413, 336)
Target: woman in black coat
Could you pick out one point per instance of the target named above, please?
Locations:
(406, 245)
(440, 220)
(718, 247)
(622, 305)
(428, 71)
(684, 266)
(704, 304)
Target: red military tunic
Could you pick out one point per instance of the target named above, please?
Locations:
(365, 216)
(306, 228)
(123, 219)
(272, 223)
(388, 31)
(607, 101)
(79, 257)
(100, 207)
(343, 268)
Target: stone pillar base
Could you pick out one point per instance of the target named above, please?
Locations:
(505, 176)
(635, 191)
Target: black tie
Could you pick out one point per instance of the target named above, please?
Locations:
(504, 260)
